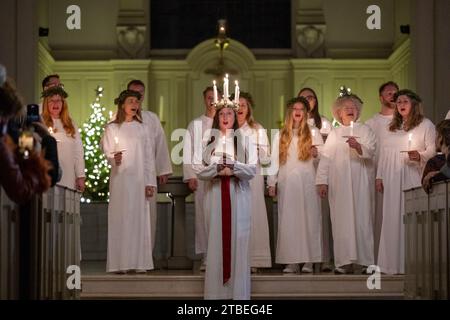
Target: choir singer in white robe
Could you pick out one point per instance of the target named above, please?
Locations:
(162, 163)
(320, 124)
(299, 239)
(127, 147)
(404, 152)
(227, 200)
(379, 124)
(344, 173)
(55, 114)
(257, 137)
(194, 141)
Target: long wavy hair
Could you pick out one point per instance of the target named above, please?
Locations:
(64, 116)
(250, 105)
(304, 134)
(415, 117)
(314, 112)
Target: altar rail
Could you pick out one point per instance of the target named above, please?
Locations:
(38, 242)
(427, 247)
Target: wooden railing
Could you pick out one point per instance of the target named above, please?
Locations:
(427, 244)
(38, 242)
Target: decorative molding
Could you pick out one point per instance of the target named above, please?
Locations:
(237, 55)
(311, 39)
(131, 41)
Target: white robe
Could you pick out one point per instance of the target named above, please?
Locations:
(380, 126)
(70, 155)
(260, 240)
(239, 285)
(327, 237)
(195, 140)
(299, 236)
(399, 173)
(129, 232)
(161, 160)
(326, 125)
(347, 176)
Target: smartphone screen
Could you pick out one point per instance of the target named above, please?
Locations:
(32, 113)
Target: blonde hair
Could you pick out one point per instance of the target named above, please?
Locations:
(66, 120)
(339, 104)
(304, 134)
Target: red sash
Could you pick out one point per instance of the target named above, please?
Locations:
(226, 228)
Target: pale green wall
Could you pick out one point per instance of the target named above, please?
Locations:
(181, 82)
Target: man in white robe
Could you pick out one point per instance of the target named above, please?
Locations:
(193, 143)
(379, 124)
(163, 165)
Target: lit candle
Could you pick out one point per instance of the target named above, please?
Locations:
(110, 114)
(225, 87)
(236, 91)
(351, 128)
(409, 141)
(313, 132)
(50, 129)
(216, 99)
(161, 108)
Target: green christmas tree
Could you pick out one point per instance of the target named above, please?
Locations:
(97, 167)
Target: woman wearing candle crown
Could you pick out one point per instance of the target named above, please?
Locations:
(227, 170)
(257, 142)
(403, 154)
(127, 146)
(344, 175)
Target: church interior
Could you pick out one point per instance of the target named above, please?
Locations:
(177, 48)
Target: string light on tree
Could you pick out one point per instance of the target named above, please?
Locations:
(97, 167)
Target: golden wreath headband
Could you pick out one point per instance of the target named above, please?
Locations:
(225, 101)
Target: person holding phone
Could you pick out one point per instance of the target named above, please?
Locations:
(21, 177)
(55, 115)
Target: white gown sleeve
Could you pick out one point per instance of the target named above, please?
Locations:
(244, 171)
(264, 147)
(208, 173)
(325, 159)
(79, 154)
(149, 160)
(430, 144)
(368, 144)
(272, 178)
(163, 163)
(188, 154)
(107, 144)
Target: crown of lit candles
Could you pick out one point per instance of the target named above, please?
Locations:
(225, 101)
(344, 91)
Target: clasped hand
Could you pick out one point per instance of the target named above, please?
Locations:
(354, 144)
